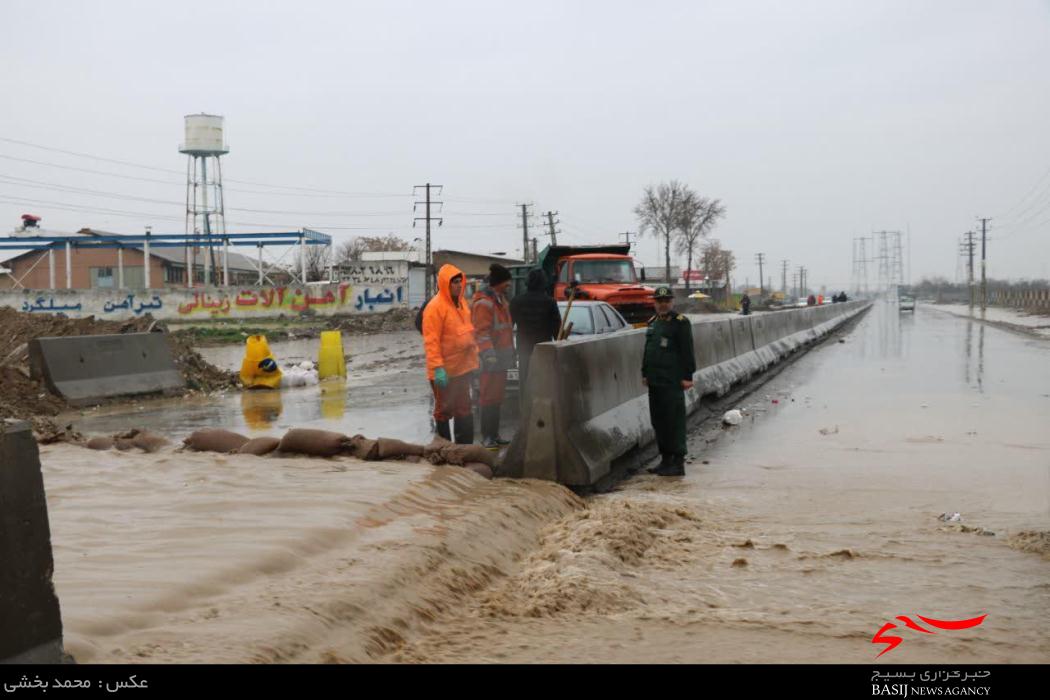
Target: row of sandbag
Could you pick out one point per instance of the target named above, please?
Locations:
(326, 443)
(142, 439)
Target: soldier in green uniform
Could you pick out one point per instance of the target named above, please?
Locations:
(667, 369)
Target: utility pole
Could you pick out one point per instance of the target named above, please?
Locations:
(801, 281)
(627, 237)
(984, 283)
(524, 230)
(552, 232)
(784, 276)
(428, 218)
(761, 258)
(725, 262)
(969, 246)
(535, 253)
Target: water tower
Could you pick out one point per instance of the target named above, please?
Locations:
(205, 208)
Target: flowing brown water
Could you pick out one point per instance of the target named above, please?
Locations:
(810, 526)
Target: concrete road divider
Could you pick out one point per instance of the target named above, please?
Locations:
(586, 405)
(87, 368)
(31, 627)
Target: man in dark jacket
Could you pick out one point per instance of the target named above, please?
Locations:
(668, 365)
(536, 315)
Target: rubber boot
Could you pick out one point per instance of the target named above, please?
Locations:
(464, 428)
(675, 468)
(490, 427)
(443, 430)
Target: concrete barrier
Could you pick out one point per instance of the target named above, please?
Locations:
(30, 619)
(588, 406)
(86, 368)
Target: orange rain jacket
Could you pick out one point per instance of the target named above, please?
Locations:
(448, 334)
(493, 328)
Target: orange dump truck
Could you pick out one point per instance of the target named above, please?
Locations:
(598, 273)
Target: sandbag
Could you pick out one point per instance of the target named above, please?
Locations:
(363, 448)
(389, 447)
(479, 468)
(317, 443)
(101, 442)
(432, 452)
(149, 442)
(259, 446)
(214, 440)
(123, 444)
(462, 454)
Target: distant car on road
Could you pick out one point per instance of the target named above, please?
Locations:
(592, 318)
(907, 304)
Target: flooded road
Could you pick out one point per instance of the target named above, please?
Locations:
(794, 536)
(385, 394)
(814, 523)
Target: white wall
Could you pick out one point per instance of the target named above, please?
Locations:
(368, 294)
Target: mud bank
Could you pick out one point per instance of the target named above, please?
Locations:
(28, 399)
(200, 558)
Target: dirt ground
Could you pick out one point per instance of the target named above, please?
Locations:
(28, 399)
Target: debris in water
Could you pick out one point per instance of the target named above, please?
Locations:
(829, 431)
(740, 562)
(733, 417)
(950, 517)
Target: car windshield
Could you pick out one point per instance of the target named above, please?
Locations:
(580, 318)
(621, 271)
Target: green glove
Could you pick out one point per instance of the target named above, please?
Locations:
(441, 377)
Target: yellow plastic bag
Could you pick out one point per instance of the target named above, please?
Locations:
(331, 362)
(259, 367)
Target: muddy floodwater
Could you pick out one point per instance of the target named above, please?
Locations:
(385, 394)
(794, 536)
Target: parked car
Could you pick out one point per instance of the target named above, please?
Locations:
(907, 304)
(592, 318)
(587, 318)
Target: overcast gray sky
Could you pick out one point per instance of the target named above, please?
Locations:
(814, 122)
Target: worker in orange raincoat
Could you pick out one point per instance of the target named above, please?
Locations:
(452, 355)
(493, 330)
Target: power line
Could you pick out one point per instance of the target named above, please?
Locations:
(179, 173)
(24, 182)
(1027, 194)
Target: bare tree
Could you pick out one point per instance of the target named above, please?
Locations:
(318, 258)
(661, 211)
(354, 248)
(349, 251)
(718, 263)
(700, 215)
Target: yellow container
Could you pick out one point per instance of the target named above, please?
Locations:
(331, 362)
(333, 398)
(259, 367)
